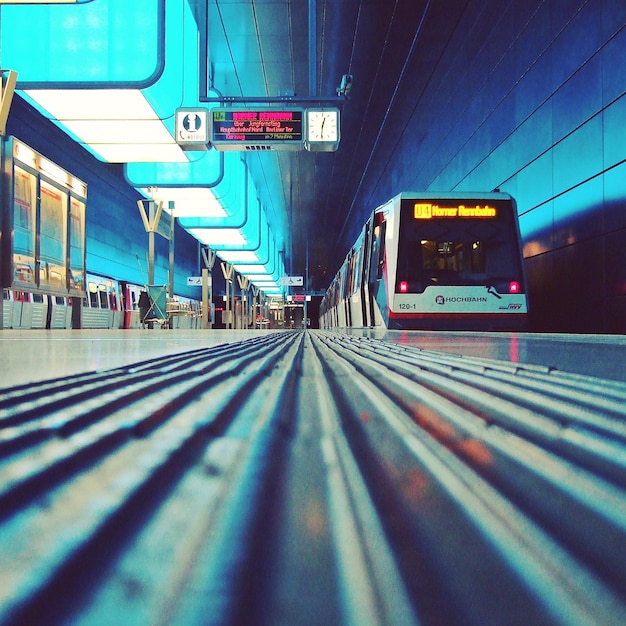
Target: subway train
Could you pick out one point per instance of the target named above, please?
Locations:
(70, 261)
(108, 303)
(428, 261)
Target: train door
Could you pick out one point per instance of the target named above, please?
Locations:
(18, 307)
(57, 312)
(29, 310)
(347, 289)
(125, 304)
(73, 312)
(356, 290)
(378, 295)
(366, 304)
(130, 305)
(39, 306)
(96, 313)
(114, 304)
(340, 307)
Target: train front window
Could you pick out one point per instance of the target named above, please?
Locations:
(477, 257)
(432, 262)
(443, 260)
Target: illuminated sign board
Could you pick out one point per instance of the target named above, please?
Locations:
(257, 129)
(192, 128)
(427, 211)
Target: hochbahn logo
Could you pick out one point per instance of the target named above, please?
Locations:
(444, 300)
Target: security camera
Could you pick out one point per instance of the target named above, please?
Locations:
(345, 85)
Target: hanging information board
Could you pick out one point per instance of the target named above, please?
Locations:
(257, 129)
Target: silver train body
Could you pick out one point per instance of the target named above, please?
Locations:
(108, 303)
(433, 262)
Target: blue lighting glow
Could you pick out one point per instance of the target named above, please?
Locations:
(104, 43)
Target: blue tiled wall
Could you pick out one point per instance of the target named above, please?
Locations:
(533, 101)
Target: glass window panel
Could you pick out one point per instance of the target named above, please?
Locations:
(77, 245)
(24, 212)
(52, 237)
(104, 304)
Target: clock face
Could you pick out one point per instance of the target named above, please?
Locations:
(323, 125)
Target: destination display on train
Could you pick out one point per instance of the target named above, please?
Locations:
(427, 211)
(238, 128)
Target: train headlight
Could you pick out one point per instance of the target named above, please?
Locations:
(514, 287)
(403, 286)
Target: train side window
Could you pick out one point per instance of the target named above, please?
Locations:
(356, 269)
(365, 269)
(377, 260)
(374, 257)
(60, 300)
(37, 297)
(93, 295)
(102, 293)
(381, 250)
(112, 291)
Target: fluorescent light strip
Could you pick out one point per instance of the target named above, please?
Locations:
(219, 236)
(146, 153)
(118, 125)
(188, 201)
(119, 131)
(251, 269)
(93, 104)
(238, 256)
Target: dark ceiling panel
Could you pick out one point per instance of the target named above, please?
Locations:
(328, 195)
(272, 19)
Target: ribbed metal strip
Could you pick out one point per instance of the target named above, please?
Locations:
(68, 502)
(561, 498)
(310, 477)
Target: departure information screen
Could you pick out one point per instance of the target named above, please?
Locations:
(428, 210)
(236, 129)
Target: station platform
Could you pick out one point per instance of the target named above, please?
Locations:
(293, 478)
(32, 355)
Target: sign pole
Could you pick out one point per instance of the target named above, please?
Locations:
(244, 284)
(151, 223)
(171, 252)
(227, 270)
(208, 257)
(206, 323)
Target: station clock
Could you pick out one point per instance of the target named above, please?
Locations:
(322, 129)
